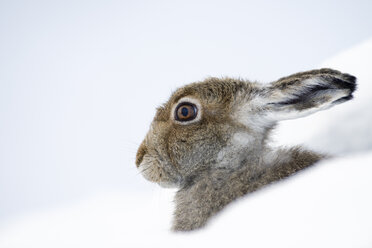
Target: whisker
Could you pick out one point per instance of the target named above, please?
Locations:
(141, 171)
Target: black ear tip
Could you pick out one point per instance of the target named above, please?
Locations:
(346, 82)
(351, 80)
(351, 85)
(353, 88)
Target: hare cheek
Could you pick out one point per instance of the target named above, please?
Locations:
(235, 148)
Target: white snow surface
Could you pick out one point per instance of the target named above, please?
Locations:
(328, 205)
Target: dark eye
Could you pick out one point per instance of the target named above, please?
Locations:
(186, 111)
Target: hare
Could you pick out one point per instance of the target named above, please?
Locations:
(209, 139)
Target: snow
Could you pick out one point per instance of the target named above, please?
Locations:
(106, 220)
(326, 206)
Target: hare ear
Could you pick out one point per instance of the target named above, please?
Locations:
(305, 93)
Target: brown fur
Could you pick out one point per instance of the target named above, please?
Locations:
(223, 155)
(209, 194)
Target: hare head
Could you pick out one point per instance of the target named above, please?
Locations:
(223, 123)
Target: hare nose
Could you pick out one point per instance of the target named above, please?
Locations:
(140, 153)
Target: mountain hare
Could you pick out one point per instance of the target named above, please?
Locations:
(209, 139)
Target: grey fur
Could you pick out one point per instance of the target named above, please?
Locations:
(222, 154)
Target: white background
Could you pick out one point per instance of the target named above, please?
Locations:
(80, 80)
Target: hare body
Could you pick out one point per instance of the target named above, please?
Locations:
(209, 139)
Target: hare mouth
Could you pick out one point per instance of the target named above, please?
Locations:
(152, 169)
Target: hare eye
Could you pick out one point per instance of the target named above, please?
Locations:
(186, 111)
